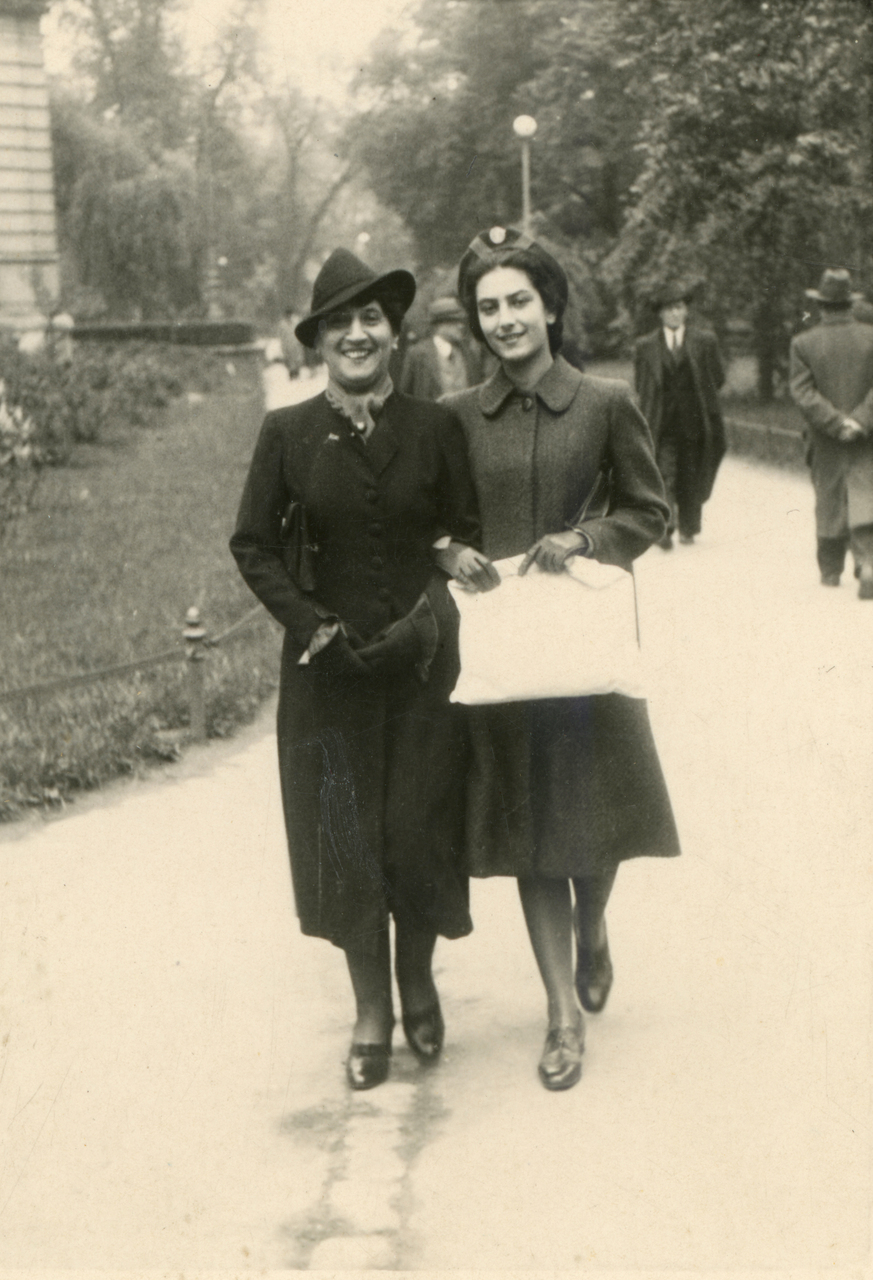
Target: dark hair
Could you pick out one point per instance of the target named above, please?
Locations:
(389, 301)
(541, 277)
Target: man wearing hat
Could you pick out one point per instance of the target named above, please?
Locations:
(440, 363)
(678, 374)
(831, 382)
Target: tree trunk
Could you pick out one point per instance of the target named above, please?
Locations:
(765, 337)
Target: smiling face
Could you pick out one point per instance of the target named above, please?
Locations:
(355, 342)
(513, 317)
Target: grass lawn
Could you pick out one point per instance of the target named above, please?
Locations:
(101, 570)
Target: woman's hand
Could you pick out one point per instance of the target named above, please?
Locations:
(338, 658)
(469, 567)
(552, 550)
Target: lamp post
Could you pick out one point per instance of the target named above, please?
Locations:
(524, 127)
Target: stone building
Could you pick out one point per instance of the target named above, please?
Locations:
(28, 241)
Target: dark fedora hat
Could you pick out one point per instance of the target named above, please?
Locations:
(446, 308)
(344, 278)
(835, 287)
(667, 295)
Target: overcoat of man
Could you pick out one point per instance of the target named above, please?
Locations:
(678, 374)
(445, 361)
(831, 382)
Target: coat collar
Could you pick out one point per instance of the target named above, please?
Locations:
(556, 388)
(380, 447)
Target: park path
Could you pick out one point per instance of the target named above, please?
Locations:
(171, 1086)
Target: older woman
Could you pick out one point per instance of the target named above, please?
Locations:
(562, 789)
(350, 499)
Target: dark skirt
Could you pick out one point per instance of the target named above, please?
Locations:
(565, 787)
(372, 775)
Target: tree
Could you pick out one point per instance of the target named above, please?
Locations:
(755, 149)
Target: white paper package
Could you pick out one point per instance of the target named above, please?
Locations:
(549, 635)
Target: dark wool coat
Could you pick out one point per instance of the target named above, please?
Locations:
(708, 375)
(421, 370)
(372, 769)
(831, 378)
(563, 786)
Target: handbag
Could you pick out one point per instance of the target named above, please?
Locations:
(549, 635)
(298, 551)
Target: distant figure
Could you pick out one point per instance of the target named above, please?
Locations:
(678, 374)
(831, 382)
(442, 362)
(292, 349)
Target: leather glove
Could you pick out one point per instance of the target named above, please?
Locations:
(468, 566)
(339, 660)
(409, 644)
(552, 550)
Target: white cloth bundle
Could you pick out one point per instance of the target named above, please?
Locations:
(549, 635)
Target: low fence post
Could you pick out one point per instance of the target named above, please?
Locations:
(195, 634)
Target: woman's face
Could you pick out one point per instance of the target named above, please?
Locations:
(512, 315)
(355, 342)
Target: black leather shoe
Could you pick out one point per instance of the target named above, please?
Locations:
(830, 579)
(425, 1032)
(865, 582)
(666, 543)
(686, 539)
(367, 1065)
(561, 1064)
(594, 974)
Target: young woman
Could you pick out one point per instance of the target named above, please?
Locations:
(561, 789)
(350, 499)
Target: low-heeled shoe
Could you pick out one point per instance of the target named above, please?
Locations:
(425, 1032)
(561, 1064)
(367, 1065)
(594, 974)
(865, 582)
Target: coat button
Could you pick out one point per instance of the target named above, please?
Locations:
(384, 593)
(376, 529)
(377, 562)
(371, 495)
(527, 403)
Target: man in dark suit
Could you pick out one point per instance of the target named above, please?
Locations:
(831, 382)
(444, 361)
(678, 373)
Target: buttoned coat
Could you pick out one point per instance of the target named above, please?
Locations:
(830, 379)
(708, 374)
(563, 786)
(372, 770)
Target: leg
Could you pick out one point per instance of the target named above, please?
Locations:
(422, 1017)
(546, 905)
(413, 958)
(862, 549)
(831, 512)
(593, 962)
(831, 556)
(690, 508)
(370, 971)
(370, 1055)
(547, 912)
(667, 460)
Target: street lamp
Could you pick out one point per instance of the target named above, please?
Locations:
(524, 127)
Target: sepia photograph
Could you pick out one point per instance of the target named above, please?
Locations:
(436, 637)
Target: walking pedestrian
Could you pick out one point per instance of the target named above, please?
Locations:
(831, 382)
(442, 362)
(561, 789)
(678, 374)
(347, 495)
